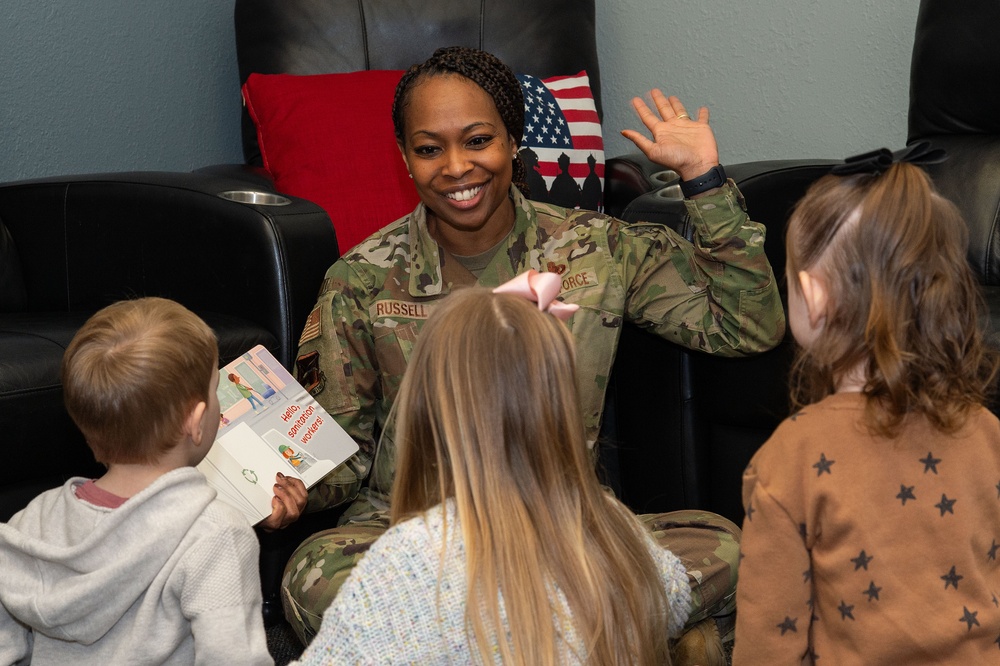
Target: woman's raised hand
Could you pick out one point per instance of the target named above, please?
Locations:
(680, 142)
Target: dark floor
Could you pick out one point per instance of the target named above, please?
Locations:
(282, 643)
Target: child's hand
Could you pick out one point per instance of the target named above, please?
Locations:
(287, 504)
(680, 142)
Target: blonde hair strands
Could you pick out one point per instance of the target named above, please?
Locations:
(488, 414)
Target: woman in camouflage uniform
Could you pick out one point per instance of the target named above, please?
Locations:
(459, 119)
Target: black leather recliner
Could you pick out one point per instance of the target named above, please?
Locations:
(543, 37)
(729, 407)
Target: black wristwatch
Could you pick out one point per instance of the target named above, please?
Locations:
(714, 177)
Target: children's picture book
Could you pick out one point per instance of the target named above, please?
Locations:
(268, 424)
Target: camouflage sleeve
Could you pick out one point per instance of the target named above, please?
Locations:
(716, 294)
(336, 363)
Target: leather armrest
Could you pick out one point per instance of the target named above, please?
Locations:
(86, 241)
(629, 176)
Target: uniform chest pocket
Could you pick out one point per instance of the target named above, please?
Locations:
(393, 346)
(595, 332)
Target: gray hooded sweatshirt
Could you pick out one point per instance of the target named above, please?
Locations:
(169, 577)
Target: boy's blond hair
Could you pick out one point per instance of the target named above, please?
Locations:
(132, 374)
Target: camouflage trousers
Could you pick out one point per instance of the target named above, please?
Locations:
(707, 544)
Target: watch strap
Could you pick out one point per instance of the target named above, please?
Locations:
(714, 177)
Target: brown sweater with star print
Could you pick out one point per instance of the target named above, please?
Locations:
(863, 550)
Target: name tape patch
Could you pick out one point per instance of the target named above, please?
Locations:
(579, 279)
(400, 309)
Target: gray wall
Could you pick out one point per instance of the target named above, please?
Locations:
(114, 85)
(109, 85)
(781, 78)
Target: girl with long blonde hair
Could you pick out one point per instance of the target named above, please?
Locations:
(504, 546)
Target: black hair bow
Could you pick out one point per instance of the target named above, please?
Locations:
(878, 161)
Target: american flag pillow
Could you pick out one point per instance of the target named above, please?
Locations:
(562, 149)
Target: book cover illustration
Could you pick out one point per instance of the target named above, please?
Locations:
(268, 424)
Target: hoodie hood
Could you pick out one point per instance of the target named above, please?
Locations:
(72, 570)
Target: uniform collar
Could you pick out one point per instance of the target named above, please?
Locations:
(521, 251)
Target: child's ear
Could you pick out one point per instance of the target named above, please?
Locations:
(193, 424)
(815, 295)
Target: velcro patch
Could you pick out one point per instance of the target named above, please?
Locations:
(579, 279)
(314, 326)
(399, 309)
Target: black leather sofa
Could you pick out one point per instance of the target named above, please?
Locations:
(69, 246)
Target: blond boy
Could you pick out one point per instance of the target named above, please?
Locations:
(144, 564)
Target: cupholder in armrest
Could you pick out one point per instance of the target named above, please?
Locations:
(666, 176)
(672, 192)
(255, 197)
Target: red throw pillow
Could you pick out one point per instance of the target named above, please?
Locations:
(329, 138)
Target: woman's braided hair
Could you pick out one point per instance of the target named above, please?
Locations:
(485, 70)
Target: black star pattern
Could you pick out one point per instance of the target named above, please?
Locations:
(905, 493)
(788, 625)
(802, 531)
(872, 592)
(750, 511)
(951, 578)
(992, 555)
(823, 465)
(996, 602)
(946, 505)
(969, 617)
(807, 575)
(930, 463)
(812, 610)
(846, 611)
(862, 560)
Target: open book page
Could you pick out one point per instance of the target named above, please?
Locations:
(269, 424)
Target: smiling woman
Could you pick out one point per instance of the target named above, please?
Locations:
(460, 155)
(458, 119)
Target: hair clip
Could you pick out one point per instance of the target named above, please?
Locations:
(877, 162)
(541, 288)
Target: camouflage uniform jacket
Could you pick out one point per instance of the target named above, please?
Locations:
(716, 295)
